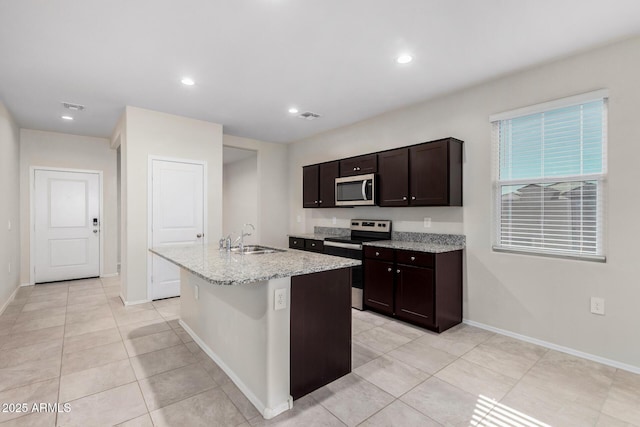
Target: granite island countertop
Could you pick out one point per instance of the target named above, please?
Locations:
(225, 268)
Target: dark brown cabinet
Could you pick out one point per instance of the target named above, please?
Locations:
(320, 336)
(414, 294)
(318, 185)
(378, 290)
(435, 173)
(360, 165)
(428, 174)
(314, 245)
(393, 178)
(418, 287)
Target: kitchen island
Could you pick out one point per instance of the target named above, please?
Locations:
(278, 324)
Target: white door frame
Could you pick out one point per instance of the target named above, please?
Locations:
(205, 194)
(32, 215)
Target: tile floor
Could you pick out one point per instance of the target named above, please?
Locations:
(135, 366)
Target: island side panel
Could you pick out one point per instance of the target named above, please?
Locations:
(320, 329)
(237, 326)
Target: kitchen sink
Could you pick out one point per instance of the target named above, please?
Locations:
(256, 250)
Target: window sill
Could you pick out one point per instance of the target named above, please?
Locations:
(549, 254)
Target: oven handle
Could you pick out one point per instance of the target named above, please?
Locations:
(343, 245)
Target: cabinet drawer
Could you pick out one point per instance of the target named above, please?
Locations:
(420, 259)
(296, 243)
(384, 254)
(360, 165)
(314, 245)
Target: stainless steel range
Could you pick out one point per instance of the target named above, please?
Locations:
(362, 230)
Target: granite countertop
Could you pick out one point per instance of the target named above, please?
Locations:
(224, 268)
(416, 246)
(313, 236)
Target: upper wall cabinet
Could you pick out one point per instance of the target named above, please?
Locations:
(428, 174)
(360, 165)
(318, 185)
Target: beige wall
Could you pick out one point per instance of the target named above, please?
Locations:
(543, 298)
(59, 150)
(143, 133)
(240, 197)
(273, 197)
(9, 209)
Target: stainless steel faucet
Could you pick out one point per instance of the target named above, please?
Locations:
(242, 234)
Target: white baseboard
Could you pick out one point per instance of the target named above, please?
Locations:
(125, 302)
(110, 275)
(267, 413)
(11, 298)
(552, 346)
(27, 284)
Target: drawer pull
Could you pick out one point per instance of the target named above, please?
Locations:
(377, 253)
(313, 244)
(295, 242)
(413, 258)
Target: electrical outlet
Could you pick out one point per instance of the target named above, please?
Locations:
(280, 299)
(427, 222)
(196, 292)
(333, 221)
(597, 305)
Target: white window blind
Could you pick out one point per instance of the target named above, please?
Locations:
(550, 175)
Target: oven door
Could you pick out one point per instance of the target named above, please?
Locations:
(353, 251)
(356, 190)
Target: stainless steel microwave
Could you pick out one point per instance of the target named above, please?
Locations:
(357, 190)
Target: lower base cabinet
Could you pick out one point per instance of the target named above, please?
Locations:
(420, 288)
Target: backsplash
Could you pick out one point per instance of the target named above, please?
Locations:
(439, 239)
(332, 231)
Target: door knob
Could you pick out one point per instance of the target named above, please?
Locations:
(199, 235)
(95, 231)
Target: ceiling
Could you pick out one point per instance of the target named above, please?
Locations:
(254, 59)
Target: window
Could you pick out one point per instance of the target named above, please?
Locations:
(551, 167)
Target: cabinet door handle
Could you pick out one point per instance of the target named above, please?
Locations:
(358, 168)
(355, 169)
(315, 201)
(389, 269)
(377, 253)
(413, 197)
(319, 201)
(313, 244)
(404, 197)
(295, 242)
(413, 258)
(398, 271)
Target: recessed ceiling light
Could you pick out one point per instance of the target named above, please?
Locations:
(293, 110)
(187, 81)
(404, 59)
(67, 118)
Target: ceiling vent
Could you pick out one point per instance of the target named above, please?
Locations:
(73, 107)
(308, 115)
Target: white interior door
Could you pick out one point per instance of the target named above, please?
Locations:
(177, 218)
(67, 225)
